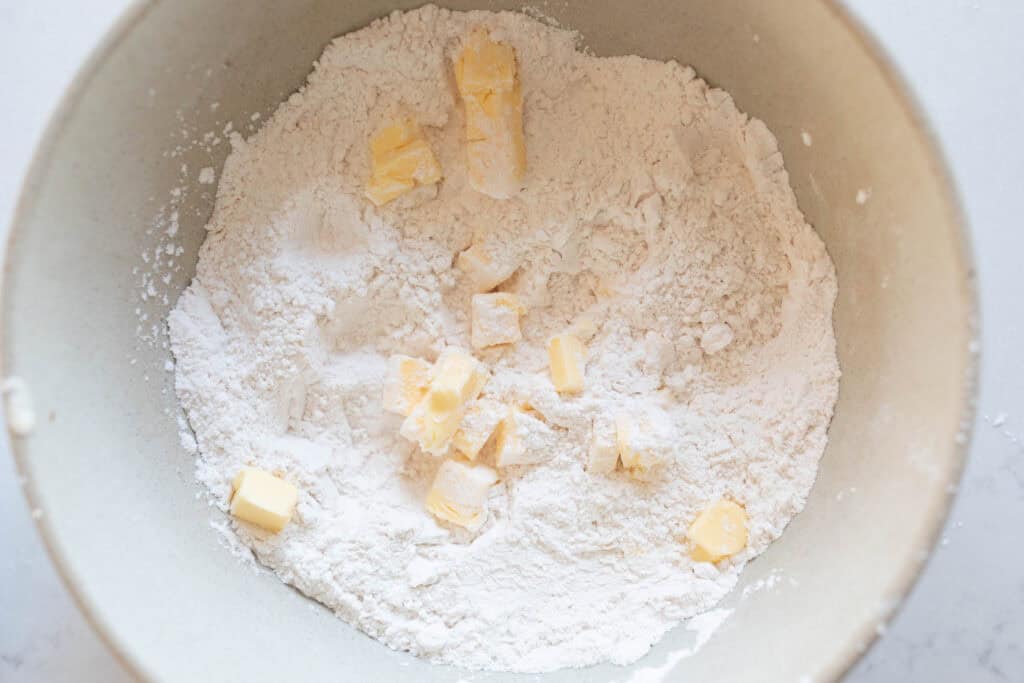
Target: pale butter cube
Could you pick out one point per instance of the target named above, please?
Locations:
(640, 446)
(432, 430)
(605, 289)
(401, 159)
(603, 455)
(456, 379)
(719, 531)
(522, 439)
(263, 499)
(482, 269)
(477, 427)
(406, 383)
(716, 337)
(495, 144)
(487, 80)
(565, 354)
(459, 493)
(495, 319)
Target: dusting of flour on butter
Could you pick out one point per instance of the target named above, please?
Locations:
(656, 223)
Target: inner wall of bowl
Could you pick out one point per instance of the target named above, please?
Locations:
(106, 466)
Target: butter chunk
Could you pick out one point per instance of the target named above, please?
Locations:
(263, 499)
(522, 439)
(405, 384)
(495, 146)
(565, 354)
(482, 269)
(477, 427)
(487, 79)
(401, 159)
(719, 531)
(641, 447)
(455, 380)
(459, 493)
(485, 66)
(603, 455)
(413, 162)
(394, 135)
(381, 190)
(495, 319)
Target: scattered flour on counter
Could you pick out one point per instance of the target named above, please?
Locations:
(656, 220)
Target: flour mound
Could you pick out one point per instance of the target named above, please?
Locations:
(657, 221)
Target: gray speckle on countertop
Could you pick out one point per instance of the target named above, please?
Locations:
(964, 620)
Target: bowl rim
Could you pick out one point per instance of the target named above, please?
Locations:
(859, 641)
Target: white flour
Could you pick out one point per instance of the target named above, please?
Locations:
(657, 221)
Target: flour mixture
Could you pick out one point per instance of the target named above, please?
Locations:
(511, 355)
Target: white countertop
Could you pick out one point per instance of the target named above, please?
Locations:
(965, 619)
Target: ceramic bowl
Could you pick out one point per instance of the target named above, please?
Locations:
(120, 511)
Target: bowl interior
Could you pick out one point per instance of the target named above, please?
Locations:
(121, 513)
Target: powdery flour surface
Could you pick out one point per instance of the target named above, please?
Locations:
(657, 222)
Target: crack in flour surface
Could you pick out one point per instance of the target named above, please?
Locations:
(656, 222)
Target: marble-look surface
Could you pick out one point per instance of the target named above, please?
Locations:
(965, 619)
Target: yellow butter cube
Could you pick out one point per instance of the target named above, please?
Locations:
(432, 430)
(405, 384)
(640, 448)
(604, 449)
(456, 379)
(478, 125)
(263, 499)
(487, 79)
(401, 159)
(482, 269)
(394, 135)
(414, 162)
(495, 319)
(484, 66)
(522, 439)
(382, 190)
(565, 354)
(459, 493)
(719, 531)
(477, 427)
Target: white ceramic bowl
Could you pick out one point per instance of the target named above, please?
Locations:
(120, 511)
